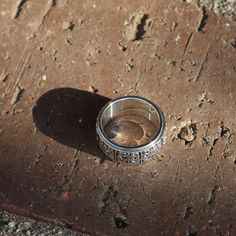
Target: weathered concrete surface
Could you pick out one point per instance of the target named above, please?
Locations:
(52, 52)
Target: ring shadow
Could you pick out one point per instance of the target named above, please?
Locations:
(68, 116)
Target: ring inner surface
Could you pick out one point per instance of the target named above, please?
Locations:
(130, 122)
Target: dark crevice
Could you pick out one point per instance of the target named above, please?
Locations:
(3, 223)
(234, 43)
(188, 212)
(213, 144)
(224, 130)
(54, 2)
(67, 225)
(140, 28)
(19, 8)
(121, 221)
(110, 193)
(188, 41)
(212, 196)
(203, 21)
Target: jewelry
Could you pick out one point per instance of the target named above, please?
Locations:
(131, 129)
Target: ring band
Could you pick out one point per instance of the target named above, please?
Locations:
(131, 129)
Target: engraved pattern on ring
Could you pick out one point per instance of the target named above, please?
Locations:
(133, 157)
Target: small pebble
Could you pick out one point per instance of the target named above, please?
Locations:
(28, 233)
(27, 225)
(12, 224)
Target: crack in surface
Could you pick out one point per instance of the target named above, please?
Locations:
(18, 8)
(39, 156)
(20, 69)
(202, 64)
(65, 184)
(137, 82)
(212, 196)
(203, 21)
(186, 46)
(109, 194)
(223, 132)
(134, 87)
(176, 171)
(50, 5)
(27, 51)
(223, 153)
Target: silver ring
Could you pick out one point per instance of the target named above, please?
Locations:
(131, 129)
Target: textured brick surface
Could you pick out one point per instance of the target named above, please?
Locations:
(61, 61)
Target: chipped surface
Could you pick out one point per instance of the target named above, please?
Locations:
(16, 95)
(134, 26)
(187, 132)
(188, 71)
(17, 7)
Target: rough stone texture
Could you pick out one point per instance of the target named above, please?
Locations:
(50, 165)
(11, 224)
(223, 7)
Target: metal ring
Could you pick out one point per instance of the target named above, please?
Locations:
(131, 129)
